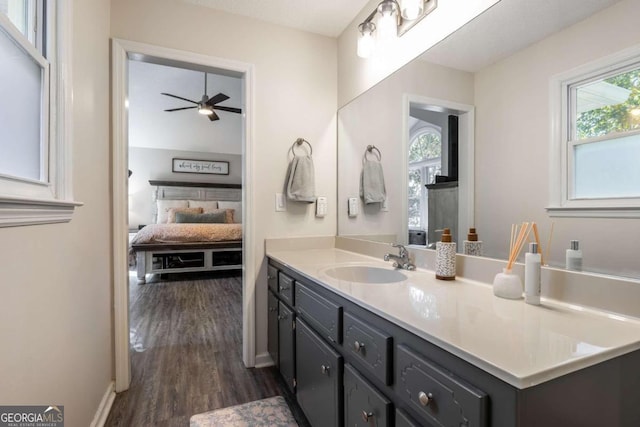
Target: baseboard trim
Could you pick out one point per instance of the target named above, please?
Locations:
(263, 360)
(105, 406)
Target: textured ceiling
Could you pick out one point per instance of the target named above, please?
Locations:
(326, 17)
(508, 27)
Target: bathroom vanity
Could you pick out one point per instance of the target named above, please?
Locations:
(413, 351)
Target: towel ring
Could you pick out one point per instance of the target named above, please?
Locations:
(371, 149)
(299, 142)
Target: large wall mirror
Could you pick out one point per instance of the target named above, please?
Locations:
(473, 113)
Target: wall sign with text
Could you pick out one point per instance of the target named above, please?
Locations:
(200, 166)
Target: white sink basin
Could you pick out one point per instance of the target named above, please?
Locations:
(365, 274)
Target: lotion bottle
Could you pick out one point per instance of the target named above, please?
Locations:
(532, 261)
(446, 257)
(574, 256)
(472, 246)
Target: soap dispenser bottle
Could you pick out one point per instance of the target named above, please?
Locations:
(446, 257)
(574, 256)
(532, 261)
(472, 246)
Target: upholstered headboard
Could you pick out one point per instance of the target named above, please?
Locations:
(203, 191)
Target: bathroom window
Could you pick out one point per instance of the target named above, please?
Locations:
(425, 153)
(596, 129)
(34, 175)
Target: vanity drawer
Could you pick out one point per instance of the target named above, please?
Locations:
(370, 346)
(404, 420)
(441, 398)
(364, 406)
(272, 278)
(285, 288)
(322, 314)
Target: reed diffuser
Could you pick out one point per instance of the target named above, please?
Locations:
(506, 284)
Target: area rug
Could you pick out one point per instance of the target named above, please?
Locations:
(272, 412)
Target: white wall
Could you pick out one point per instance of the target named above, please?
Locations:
(356, 75)
(376, 117)
(512, 144)
(55, 280)
(156, 164)
(295, 96)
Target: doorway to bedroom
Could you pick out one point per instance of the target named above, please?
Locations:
(183, 290)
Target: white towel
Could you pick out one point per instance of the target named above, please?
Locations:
(300, 180)
(372, 188)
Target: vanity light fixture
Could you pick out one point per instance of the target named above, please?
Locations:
(394, 19)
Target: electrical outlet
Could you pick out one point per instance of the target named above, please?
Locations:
(384, 206)
(281, 204)
(353, 206)
(321, 207)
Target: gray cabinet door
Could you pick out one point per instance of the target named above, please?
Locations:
(370, 346)
(318, 378)
(364, 405)
(286, 345)
(272, 278)
(272, 326)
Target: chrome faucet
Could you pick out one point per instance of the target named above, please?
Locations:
(402, 259)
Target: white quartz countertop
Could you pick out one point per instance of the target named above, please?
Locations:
(521, 344)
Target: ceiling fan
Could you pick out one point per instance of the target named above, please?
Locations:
(206, 104)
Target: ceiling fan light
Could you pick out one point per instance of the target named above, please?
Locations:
(205, 110)
(411, 9)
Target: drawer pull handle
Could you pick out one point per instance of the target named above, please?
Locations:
(366, 416)
(282, 317)
(357, 346)
(284, 288)
(325, 369)
(272, 309)
(270, 277)
(424, 398)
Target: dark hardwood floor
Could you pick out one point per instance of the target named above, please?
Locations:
(186, 353)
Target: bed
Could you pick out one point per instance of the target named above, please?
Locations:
(170, 247)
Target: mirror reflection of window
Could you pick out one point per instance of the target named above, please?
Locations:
(425, 162)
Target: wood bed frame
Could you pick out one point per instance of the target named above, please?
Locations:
(161, 258)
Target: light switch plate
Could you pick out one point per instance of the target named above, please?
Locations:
(321, 207)
(384, 206)
(281, 203)
(353, 207)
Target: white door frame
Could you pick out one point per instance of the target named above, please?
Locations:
(121, 50)
(466, 160)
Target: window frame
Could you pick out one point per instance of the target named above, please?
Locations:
(561, 203)
(422, 166)
(30, 202)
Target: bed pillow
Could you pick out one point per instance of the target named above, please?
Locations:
(237, 208)
(165, 205)
(171, 217)
(203, 218)
(206, 205)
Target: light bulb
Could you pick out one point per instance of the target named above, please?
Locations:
(366, 43)
(205, 110)
(411, 9)
(387, 23)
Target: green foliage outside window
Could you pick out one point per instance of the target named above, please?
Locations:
(621, 117)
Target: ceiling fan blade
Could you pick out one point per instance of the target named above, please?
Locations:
(217, 98)
(178, 109)
(229, 109)
(179, 97)
(213, 117)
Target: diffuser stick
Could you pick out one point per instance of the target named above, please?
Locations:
(549, 241)
(520, 241)
(537, 237)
